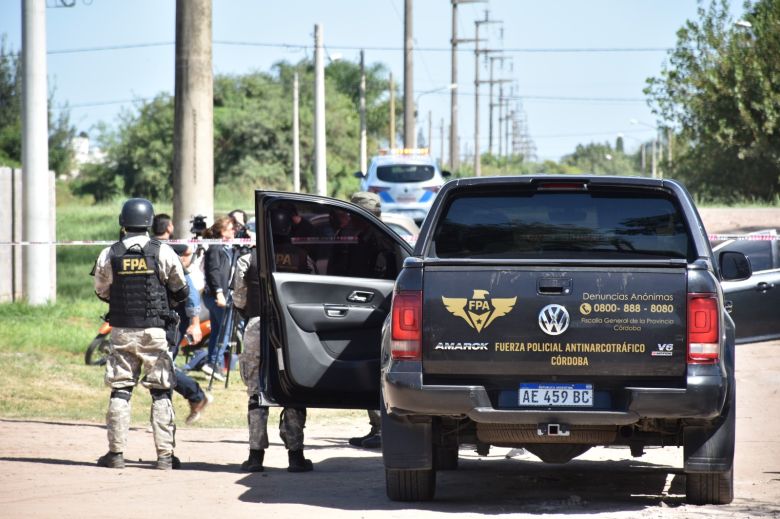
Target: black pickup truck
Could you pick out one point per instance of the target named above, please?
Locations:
(553, 313)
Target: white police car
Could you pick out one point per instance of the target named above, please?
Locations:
(406, 180)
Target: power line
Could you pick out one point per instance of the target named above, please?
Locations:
(378, 48)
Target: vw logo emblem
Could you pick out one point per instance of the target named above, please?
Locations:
(553, 319)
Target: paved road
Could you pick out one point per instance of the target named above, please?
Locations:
(47, 470)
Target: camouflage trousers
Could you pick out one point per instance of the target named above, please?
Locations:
(292, 420)
(140, 355)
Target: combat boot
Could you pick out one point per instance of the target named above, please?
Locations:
(297, 462)
(372, 442)
(358, 440)
(168, 462)
(112, 460)
(255, 461)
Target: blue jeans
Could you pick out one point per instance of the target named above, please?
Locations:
(187, 387)
(215, 351)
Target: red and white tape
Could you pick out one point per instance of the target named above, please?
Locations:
(235, 241)
(250, 241)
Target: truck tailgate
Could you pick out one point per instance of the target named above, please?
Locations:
(546, 323)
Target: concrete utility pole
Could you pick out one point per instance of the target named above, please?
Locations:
(654, 166)
(410, 137)
(441, 143)
(454, 151)
(430, 136)
(477, 52)
(491, 104)
(500, 119)
(193, 126)
(296, 137)
(37, 262)
(392, 112)
(320, 170)
(363, 143)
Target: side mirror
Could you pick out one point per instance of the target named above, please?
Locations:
(359, 174)
(734, 266)
(445, 173)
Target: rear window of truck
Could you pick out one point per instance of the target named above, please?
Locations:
(540, 224)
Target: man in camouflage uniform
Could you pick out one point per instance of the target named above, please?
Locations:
(140, 278)
(373, 440)
(246, 298)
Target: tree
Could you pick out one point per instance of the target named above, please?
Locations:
(61, 132)
(599, 159)
(721, 91)
(252, 134)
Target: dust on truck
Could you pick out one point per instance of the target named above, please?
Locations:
(557, 314)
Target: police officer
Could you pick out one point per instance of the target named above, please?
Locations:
(246, 298)
(373, 440)
(140, 279)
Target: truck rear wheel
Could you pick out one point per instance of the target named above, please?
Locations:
(410, 485)
(709, 488)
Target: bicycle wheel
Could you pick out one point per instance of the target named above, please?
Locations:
(97, 351)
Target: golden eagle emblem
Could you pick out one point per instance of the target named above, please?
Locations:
(479, 311)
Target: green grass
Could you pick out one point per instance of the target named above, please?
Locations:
(42, 370)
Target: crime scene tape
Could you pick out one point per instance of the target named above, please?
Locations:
(250, 241)
(234, 241)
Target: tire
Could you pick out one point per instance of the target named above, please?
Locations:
(410, 485)
(97, 351)
(709, 488)
(445, 458)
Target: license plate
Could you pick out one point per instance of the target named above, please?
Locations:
(407, 199)
(556, 395)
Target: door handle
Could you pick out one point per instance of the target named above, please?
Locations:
(336, 311)
(764, 286)
(360, 296)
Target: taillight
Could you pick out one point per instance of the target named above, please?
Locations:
(703, 329)
(433, 189)
(407, 325)
(378, 189)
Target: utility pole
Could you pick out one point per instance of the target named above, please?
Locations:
(410, 137)
(477, 52)
(454, 140)
(392, 112)
(193, 127)
(296, 137)
(644, 159)
(320, 171)
(491, 104)
(500, 119)
(441, 143)
(430, 128)
(653, 166)
(363, 143)
(37, 260)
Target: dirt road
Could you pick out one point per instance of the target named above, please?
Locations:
(48, 470)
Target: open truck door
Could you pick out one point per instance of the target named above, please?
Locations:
(327, 270)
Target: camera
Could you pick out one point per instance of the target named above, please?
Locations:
(198, 225)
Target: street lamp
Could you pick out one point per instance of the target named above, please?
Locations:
(451, 86)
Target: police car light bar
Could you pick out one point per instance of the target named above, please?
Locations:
(404, 151)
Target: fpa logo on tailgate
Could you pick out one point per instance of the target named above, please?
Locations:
(480, 310)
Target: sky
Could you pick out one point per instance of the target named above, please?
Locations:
(578, 67)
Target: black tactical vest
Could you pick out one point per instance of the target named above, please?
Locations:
(138, 298)
(291, 258)
(252, 279)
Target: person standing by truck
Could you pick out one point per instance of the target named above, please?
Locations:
(140, 279)
(246, 298)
